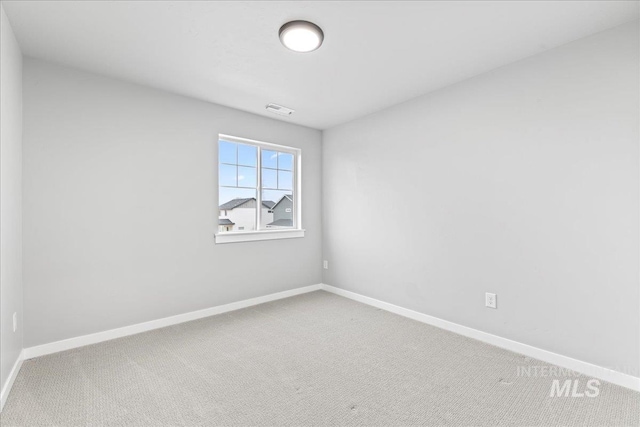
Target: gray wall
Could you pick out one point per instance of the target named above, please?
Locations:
(522, 181)
(10, 198)
(120, 206)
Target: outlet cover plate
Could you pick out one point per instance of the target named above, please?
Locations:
(491, 300)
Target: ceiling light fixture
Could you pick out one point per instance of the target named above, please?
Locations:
(301, 36)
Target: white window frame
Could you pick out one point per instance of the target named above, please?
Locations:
(264, 234)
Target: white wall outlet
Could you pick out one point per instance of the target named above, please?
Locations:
(325, 264)
(491, 300)
(15, 322)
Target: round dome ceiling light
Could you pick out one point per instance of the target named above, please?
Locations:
(301, 36)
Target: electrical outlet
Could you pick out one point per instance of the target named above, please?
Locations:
(325, 264)
(491, 300)
(15, 322)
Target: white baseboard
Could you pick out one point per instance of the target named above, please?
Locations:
(588, 369)
(4, 394)
(55, 347)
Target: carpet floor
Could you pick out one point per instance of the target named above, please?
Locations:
(313, 359)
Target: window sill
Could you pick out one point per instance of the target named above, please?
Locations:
(252, 236)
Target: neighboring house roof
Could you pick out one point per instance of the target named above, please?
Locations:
(232, 204)
(225, 221)
(282, 222)
(287, 196)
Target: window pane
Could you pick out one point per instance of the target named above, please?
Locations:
(238, 187)
(267, 209)
(269, 159)
(285, 161)
(247, 155)
(227, 152)
(247, 177)
(228, 175)
(285, 180)
(282, 215)
(237, 209)
(269, 178)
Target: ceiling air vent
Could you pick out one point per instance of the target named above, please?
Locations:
(279, 109)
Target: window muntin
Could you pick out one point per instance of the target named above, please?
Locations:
(253, 174)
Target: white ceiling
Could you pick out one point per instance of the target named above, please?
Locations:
(375, 54)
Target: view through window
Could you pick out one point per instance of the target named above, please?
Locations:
(252, 175)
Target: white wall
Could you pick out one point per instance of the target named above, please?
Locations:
(120, 206)
(522, 181)
(10, 198)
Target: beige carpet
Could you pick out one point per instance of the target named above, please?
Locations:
(314, 359)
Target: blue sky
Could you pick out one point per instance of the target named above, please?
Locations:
(238, 172)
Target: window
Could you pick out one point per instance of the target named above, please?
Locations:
(258, 191)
